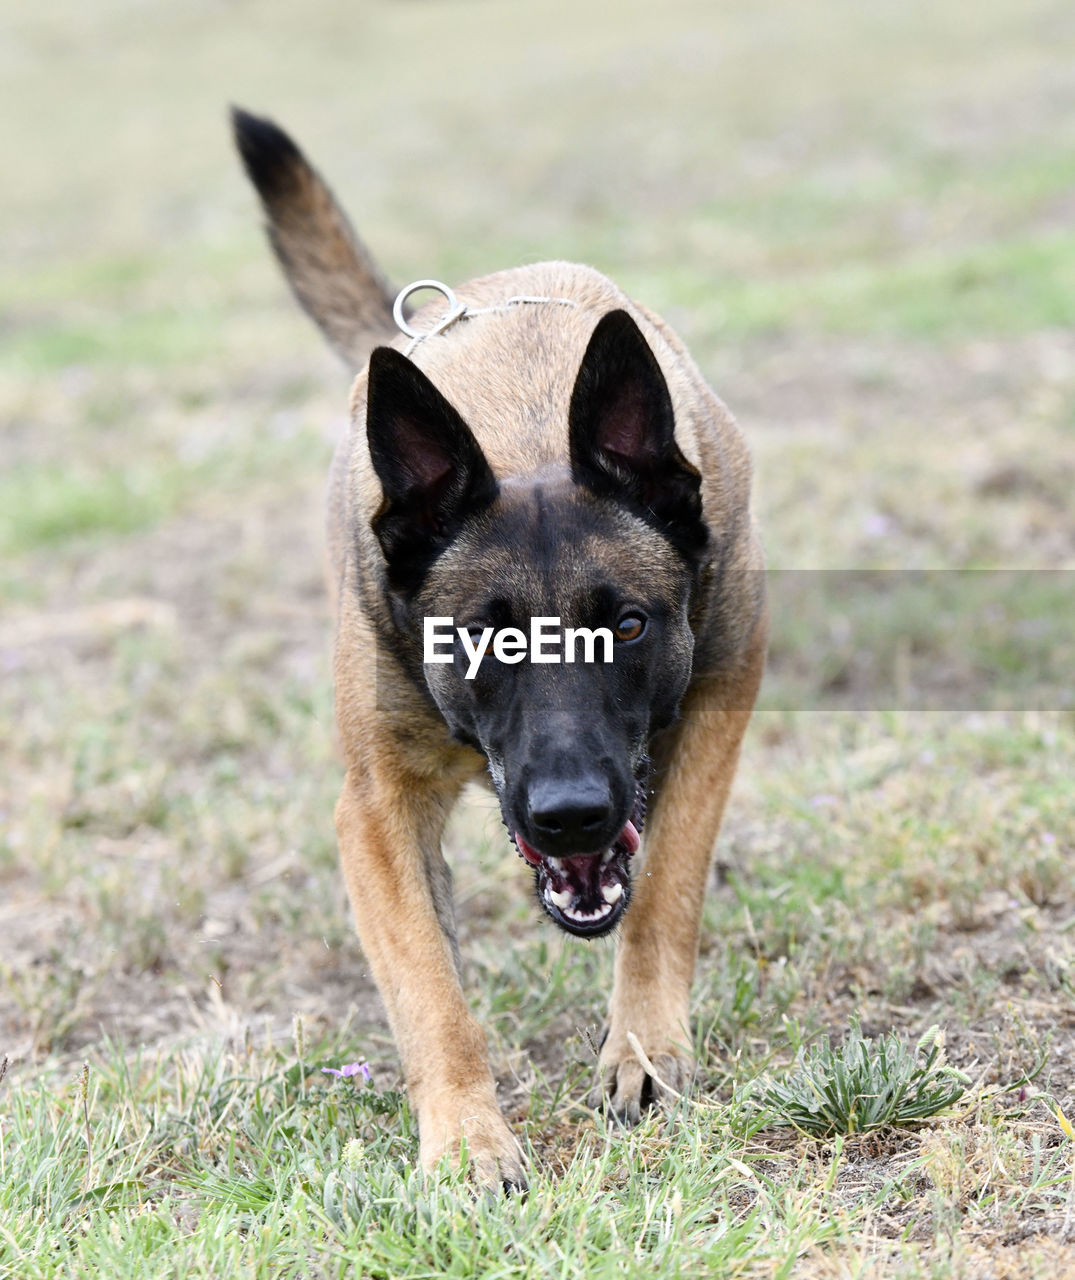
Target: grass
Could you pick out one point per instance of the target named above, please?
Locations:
(864, 1085)
(53, 503)
(240, 1150)
(858, 219)
(992, 289)
(319, 1176)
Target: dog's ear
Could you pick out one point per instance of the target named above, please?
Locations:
(621, 431)
(431, 468)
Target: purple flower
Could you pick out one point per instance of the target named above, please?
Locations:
(350, 1069)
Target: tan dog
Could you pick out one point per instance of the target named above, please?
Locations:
(553, 455)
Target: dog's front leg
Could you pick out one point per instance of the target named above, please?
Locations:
(389, 828)
(658, 943)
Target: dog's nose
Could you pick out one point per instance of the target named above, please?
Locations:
(569, 815)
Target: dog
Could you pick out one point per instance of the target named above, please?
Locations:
(545, 453)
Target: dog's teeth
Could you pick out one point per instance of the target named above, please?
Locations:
(612, 892)
(561, 899)
(607, 857)
(586, 917)
(556, 865)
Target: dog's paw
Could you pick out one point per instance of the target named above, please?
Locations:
(453, 1130)
(633, 1077)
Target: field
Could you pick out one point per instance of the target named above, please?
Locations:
(860, 217)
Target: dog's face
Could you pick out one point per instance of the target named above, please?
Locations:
(606, 553)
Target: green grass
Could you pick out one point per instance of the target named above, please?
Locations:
(153, 338)
(863, 1085)
(283, 1168)
(48, 504)
(256, 1153)
(858, 218)
(1011, 287)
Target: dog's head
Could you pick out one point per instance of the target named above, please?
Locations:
(604, 554)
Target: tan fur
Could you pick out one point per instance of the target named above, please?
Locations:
(389, 827)
(510, 375)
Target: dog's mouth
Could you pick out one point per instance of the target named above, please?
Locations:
(587, 893)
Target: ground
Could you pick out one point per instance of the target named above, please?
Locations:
(860, 220)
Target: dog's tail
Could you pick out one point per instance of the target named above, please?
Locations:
(329, 269)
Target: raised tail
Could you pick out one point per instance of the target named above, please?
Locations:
(329, 269)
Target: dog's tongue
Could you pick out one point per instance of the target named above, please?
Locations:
(628, 838)
(528, 851)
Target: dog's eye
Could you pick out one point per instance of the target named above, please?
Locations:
(474, 632)
(630, 626)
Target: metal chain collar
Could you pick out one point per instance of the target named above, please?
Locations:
(456, 310)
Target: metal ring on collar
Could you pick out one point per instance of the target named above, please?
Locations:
(455, 308)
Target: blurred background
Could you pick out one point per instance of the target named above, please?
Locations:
(858, 213)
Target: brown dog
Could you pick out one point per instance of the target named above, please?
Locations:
(551, 458)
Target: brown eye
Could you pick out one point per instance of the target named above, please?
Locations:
(630, 626)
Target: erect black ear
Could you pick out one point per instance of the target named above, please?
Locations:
(432, 470)
(621, 432)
